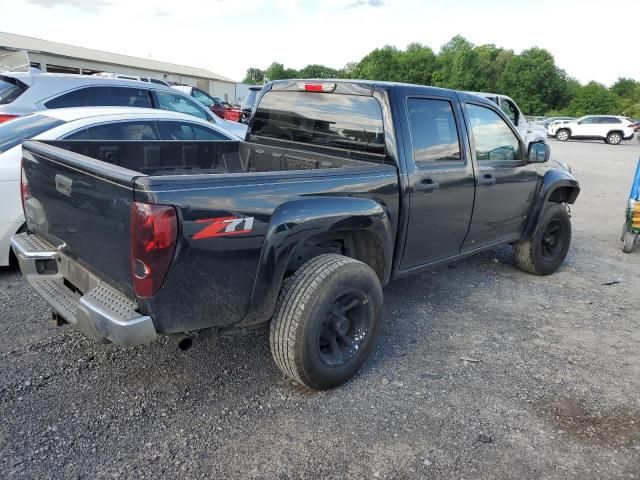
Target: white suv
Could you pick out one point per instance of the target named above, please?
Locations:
(609, 128)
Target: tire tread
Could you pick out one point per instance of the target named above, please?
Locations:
(294, 296)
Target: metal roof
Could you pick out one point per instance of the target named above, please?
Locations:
(37, 45)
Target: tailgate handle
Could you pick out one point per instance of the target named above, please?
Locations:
(63, 184)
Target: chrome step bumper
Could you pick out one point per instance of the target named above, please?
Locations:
(102, 312)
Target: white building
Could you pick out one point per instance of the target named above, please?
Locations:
(62, 58)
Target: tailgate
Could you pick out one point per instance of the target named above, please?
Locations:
(83, 203)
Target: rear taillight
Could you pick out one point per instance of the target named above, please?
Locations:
(25, 193)
(154, 233)
(5, 118)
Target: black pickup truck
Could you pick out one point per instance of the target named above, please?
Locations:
(339, 187)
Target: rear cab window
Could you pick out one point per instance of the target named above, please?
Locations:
(14, 132)
(434, 133)
(335, 120)
(10, 89)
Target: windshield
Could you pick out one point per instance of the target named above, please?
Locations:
(10, 89)
(343, 121)
(14, 132)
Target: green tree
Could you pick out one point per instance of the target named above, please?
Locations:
(418, 62)
(317, 71)
(594, 99)
(627, 88)
(254, 76)
(490, 63)
(381, 64)
(534, 81)
(276, 71)
(457, 64)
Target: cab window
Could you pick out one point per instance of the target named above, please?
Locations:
(493, 140)
(434, 134)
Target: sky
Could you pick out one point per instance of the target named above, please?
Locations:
(590, 39)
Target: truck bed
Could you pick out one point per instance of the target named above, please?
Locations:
(82, 195)
(159, 158)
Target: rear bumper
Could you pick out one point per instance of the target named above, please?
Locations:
(630, 137)
(100, 312)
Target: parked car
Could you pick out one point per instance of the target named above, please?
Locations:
(555, 125)
(545, 123)
(249, 102)
(139, 78)
(612, 129)
(529, 131)
(30, 92)
(340, 187)
(215, 104)
(88, 123)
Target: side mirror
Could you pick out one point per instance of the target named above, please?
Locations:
(539, 152)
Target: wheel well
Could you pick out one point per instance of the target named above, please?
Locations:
(616, 131)
(564, 195)
(359, 244)
(565, 129)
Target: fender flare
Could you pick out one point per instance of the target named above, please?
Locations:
(297, 221)
(551, 182)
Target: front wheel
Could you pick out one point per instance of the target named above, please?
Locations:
(326, 321)
(562, 135)
(614, 138)
(546, 251)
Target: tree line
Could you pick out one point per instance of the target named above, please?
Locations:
(531, 78)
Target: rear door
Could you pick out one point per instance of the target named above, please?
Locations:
(440, 175)
(505, 183)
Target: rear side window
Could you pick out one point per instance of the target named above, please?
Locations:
(76, 98)
(609, 120)
(188, 131)
(137, 130)
(434, 134)
(328, 119)
(10, 89)
(14, 132)
(119, 97)
(179, 103)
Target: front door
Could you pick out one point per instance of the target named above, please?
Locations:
(441, 179)
(587, 127)
(506, 185)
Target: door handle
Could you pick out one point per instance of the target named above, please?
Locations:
(427, 185)
(487, 179)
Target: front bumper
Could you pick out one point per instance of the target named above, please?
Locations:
(93, 307)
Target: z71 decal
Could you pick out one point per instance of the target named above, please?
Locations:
(224, 226)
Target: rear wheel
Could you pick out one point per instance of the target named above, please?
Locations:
(562, 135)
(326, 321)
(614, 138)
(628, 239)
(546, 251)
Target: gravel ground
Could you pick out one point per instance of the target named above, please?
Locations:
(550, 388)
